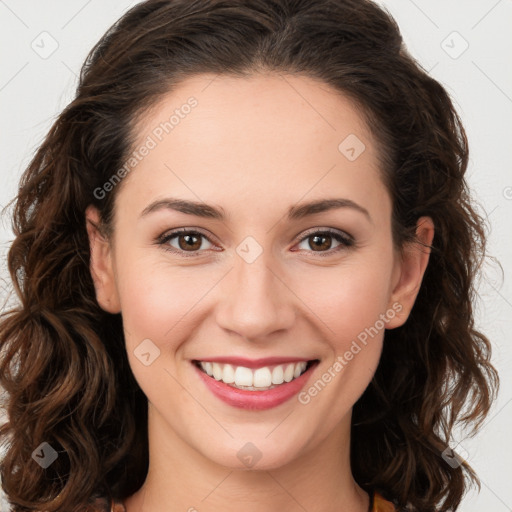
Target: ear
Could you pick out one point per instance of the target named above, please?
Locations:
(409, 272)
(101, 264)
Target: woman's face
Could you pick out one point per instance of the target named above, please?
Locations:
(255, 280)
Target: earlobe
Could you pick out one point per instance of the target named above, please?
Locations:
(411, 269)
(101, 265)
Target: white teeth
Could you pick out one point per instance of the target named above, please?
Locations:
(207, 367)
(299, 368)
(217, 371)
(288, 373)
(228, 375)
(243, 376)
(278, 375)
(261, 378)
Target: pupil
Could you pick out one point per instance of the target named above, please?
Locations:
(318, 237)
(189, 241)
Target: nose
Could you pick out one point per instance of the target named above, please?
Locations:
(256, 301)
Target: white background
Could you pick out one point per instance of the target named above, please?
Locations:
(33, 90)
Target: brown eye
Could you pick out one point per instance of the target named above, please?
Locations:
(322, 241)
(187, 241)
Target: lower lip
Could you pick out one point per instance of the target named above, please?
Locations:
(255, 400)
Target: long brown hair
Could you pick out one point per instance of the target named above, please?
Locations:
(63, 361)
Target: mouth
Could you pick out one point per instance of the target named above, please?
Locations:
(259, 378)
(253, 386)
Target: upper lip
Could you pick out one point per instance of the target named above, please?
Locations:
(254, 363)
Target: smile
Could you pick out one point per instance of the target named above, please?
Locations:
(259, 379)
(257, 388)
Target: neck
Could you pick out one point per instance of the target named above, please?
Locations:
(182, 479)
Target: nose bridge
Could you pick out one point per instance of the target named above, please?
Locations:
(255, 302)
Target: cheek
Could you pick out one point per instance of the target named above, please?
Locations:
(161, 301)
(351, 306)
(353, 312)
(157, 305)
(347, 299)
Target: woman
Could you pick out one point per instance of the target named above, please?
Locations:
(245, 257)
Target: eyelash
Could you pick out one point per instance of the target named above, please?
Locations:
(346, 241)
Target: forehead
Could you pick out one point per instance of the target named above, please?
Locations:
(266, 138)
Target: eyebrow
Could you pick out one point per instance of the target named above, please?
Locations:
(297, 212)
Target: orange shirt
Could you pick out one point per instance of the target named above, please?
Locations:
(382, 505)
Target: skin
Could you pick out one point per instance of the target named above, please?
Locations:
(253, 146)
